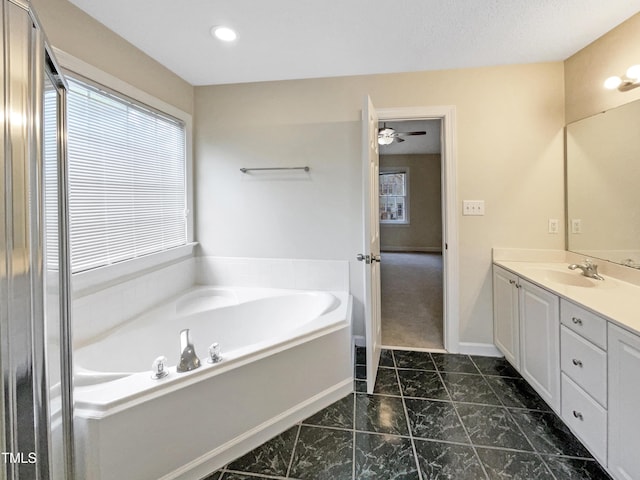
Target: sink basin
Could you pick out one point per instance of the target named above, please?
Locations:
(572, 279)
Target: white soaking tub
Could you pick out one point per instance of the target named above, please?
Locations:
(286, 354)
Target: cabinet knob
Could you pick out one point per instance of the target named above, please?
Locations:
(576, 320)
(578, 415)
(577, 363)
(512, 282)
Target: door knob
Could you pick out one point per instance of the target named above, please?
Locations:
(364, 258)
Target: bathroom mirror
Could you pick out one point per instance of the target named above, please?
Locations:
(603, 185)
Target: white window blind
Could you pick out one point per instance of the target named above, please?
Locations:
(127, 166)
(51, 172)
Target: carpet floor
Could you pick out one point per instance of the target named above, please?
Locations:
(412, 300)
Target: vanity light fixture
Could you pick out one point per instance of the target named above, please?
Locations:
(630, 81)
(223, 33)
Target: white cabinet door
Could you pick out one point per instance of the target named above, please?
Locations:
(624, 406)
(506, 332)
(540, 341)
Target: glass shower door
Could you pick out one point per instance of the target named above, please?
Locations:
(34, 295)
(56, 276)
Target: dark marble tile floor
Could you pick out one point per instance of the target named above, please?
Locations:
(432, 416)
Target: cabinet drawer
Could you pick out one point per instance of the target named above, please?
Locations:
(586, 418)
(588, 324)
(584, 363)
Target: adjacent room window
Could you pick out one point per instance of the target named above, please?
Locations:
(394, 198)
(127, 178)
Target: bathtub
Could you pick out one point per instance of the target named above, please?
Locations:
(286, 354)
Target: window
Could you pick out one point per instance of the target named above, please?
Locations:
(394, 200)
(127, 178)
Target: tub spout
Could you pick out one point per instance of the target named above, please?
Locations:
(188, 358)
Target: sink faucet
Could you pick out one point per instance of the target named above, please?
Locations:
(188, 358)
(588, 269)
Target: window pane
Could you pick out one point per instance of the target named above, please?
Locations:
(126, 179)
(393, 197)
(392, 184)
(392, 208)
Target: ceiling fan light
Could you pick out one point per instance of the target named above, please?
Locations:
(385, 140)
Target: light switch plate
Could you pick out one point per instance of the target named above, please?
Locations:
(473, 207)
(554, 225)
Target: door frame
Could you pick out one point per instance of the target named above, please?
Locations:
(451, 294)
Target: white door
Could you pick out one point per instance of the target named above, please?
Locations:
(370, 256)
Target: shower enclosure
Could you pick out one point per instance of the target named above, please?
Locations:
(36, 408)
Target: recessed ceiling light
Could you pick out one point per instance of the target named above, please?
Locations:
(225, 34)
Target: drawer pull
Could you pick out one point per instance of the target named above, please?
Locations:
(577, 363)
(578, 415)
(576, 320)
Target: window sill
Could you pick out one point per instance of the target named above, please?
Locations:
(84, 283)
(395, 224)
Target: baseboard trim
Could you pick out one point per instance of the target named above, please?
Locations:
(411, 249)
(466, 348)
(484, 349)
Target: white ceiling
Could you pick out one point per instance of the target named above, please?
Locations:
(292, 39)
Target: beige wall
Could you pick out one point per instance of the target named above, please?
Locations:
(73, 31)
(509, 147)
(586, 71)
(424, 231)
(509, 150)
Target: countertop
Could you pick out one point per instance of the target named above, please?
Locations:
(612, 298)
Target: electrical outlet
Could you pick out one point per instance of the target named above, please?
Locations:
(554, 225)
(473, 207)
(576, 225)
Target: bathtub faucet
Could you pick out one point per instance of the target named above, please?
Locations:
(188, 358)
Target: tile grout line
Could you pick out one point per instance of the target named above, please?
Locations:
(406, 417)
(514, 420)
(455, 409)
(293, 450)
(520, 429)
(258, 475)
(541, 455)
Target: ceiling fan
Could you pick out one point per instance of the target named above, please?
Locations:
(388, 135)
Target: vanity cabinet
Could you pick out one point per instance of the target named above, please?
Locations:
(506, 331)
(540, 342)
(586, 366)
(583, 342)
(526, 331)
(624, 403)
